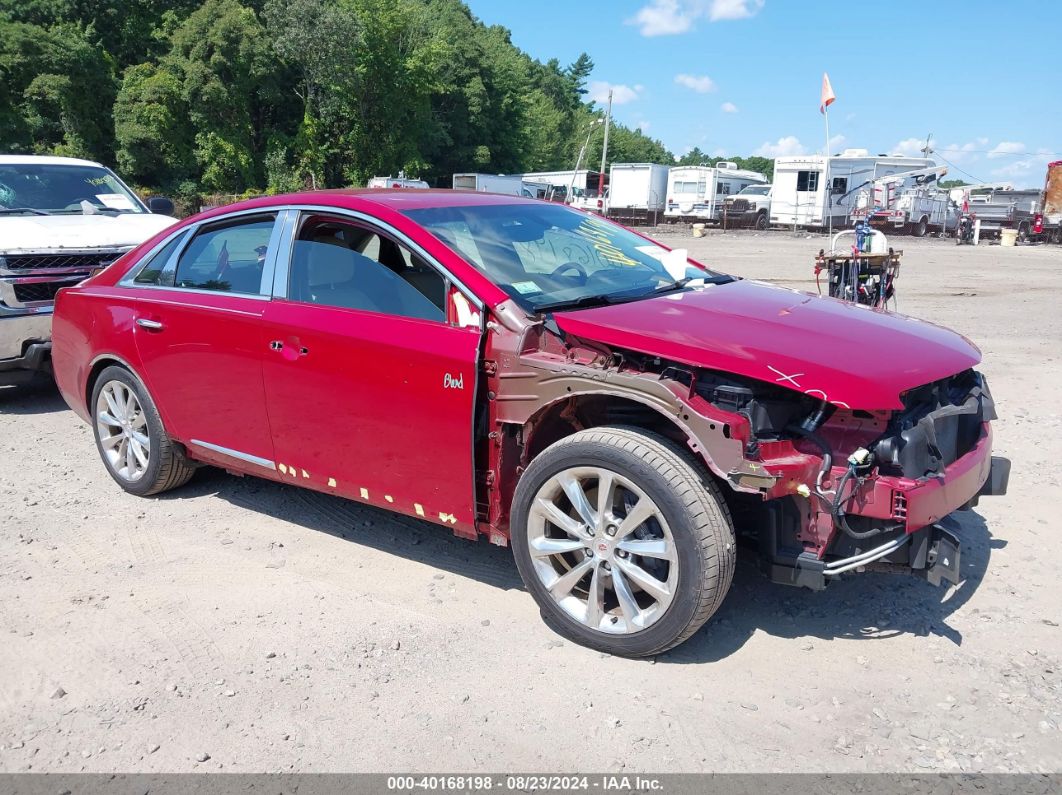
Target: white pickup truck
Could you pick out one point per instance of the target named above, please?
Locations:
(60, 220)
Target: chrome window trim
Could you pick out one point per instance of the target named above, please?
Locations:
(280, 282)
(265, 463)
(129, 280)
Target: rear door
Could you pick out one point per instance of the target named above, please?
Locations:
(371, 373)
(201, 338)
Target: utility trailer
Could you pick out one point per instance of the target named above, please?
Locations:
(1005, 209)
(697, 193)
(636, 192)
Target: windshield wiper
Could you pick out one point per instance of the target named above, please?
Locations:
(30, 210)
(578, 303)
(678, 284)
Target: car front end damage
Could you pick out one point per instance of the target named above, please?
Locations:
(819, 489)
(851, 490)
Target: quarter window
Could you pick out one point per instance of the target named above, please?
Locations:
(159, 269)
(345, 265)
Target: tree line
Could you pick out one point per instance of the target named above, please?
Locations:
(233, 96)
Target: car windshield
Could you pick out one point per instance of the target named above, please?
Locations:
(546, 256)
(54, 189)
(756, 190)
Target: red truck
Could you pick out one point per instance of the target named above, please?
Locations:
(541, 377)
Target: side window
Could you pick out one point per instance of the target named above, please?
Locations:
(159, 269)
(808, 181)
(227, 257)
(343, 264)
(840, 184)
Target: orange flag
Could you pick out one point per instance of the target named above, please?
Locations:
(828, 97)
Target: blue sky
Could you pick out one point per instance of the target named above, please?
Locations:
(743, 77)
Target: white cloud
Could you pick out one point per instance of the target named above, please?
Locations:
(729, 107)
(734, 9)
(789, 145)
(702, 84)
(644, 126)
(719, 153)
(662, 18)
(1007, 148)
(911, 147)
(670, 17)
(598, 90)
(835, 143)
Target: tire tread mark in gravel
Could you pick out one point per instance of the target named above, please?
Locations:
(195, 648)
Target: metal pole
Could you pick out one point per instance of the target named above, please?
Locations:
(826, 172)
(604, 148)
(579, 160)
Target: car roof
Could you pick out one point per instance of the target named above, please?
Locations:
(45, 160)
(399, 200)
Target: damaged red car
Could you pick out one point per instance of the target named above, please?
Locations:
(514, 369)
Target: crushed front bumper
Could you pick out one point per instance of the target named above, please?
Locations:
(926, 540)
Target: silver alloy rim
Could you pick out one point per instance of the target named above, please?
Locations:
(122, 430)
(603, 550)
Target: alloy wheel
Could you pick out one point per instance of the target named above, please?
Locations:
(602, 549)
(122, 429)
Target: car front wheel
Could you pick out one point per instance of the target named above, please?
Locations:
(626, 546)
(130, 437)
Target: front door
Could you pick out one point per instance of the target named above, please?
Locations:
(370, 387)
(201, 338)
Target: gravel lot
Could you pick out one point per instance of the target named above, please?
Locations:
(239, 625)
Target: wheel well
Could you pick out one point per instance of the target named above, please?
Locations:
(576, 413)
(94, 373)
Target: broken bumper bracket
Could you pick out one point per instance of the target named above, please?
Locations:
(943, 556)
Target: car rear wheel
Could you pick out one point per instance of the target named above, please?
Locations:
(132, 442)
(626, 546)
(761, 221)
(920, 229)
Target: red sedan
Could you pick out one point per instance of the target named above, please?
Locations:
(540, 376)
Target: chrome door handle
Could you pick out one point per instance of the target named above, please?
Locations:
(143, 322)
(276, 345)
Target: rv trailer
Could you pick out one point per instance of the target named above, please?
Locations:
(801, 197)
(696, 193)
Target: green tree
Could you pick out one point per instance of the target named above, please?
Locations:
(56, 92)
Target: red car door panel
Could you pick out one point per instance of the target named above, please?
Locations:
(370, 391)
(377, 408)
(204, 360)
(201, 338)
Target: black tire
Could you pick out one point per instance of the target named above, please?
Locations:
(920, 229)
(167, 467)
(1023, 233)
(689, 501)
(761, 222)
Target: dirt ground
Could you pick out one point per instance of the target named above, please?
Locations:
(239, 625)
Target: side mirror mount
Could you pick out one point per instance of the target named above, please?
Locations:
(160, 205)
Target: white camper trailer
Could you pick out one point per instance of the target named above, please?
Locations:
(636, 192)
(696, 193)
(401, 181)
(581, 184)
(801, 196)
(509, 184)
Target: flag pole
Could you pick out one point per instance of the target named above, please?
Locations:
(826, 174)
